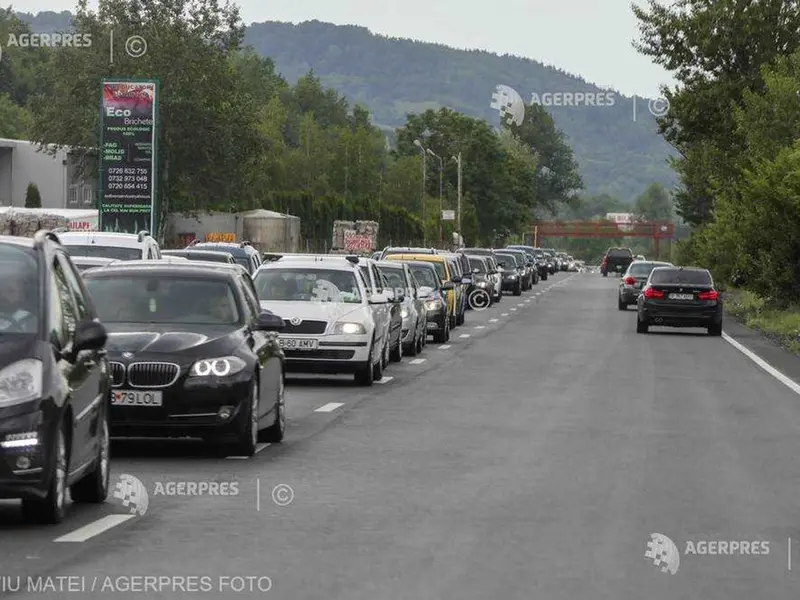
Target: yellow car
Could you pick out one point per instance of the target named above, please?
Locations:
(444, 270)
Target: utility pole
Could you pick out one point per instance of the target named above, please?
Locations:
(441, 188)
(424, 154)
(458, 161)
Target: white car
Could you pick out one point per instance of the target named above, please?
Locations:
(117, 246)
(327, 308)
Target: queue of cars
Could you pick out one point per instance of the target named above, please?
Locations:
(666, 295)
(105, 335)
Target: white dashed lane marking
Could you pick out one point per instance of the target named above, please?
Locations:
(493, 320)
(93, 529)
(445, 347)
(417, 361)
(504, 315)
(480, 327)
(330, 407)
(384, 380)
(464, 335)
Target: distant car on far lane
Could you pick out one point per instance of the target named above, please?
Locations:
(680, 297)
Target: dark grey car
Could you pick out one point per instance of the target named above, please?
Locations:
(632, 282)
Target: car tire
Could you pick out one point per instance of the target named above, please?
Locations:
(453, 322)
(461, 319)
(365, 376)
(377, 372)
(413, 347)
(621, 305)
(385, 357)
(396, 354)
(421, 341)
(544, 276)
(93, 488)
(605, 273)
(641, 326)
(715, 330)
(50, 509)
(248, 423)
(518, 289)
(275, 432)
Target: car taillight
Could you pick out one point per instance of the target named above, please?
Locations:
(605, 262)
(651, 293)
(710, 295)
(630, 281)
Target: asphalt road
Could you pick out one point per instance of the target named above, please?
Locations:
(532, 459)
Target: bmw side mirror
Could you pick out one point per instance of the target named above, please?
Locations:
(89, 335)
(268, 321)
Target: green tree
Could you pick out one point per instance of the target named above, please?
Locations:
(654, 204)
(32, 197)
(716, 51)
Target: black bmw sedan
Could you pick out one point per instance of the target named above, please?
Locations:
(192, 353)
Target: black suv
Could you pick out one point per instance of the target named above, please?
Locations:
(54, 381)
(192, 353)
(616, 260)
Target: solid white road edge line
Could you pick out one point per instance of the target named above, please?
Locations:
(330, 407)
(788, 382)
(96, 528)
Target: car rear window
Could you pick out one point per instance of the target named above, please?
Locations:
(692, 277)
(641, 269)
(620, 252)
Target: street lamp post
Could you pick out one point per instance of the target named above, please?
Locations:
(441, 188)
(458, 161)
(419, 145)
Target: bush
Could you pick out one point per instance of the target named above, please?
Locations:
(32, 197)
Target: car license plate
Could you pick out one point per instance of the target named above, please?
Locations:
(681, 296)
(136, 398)
(298, 344)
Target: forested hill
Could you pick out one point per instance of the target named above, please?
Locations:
(392, 77)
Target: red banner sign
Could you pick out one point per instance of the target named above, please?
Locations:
(354, 242)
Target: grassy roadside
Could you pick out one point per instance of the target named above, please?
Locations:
(780, 325)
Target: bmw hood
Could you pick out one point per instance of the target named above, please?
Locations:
(168, 339)
(312, 311)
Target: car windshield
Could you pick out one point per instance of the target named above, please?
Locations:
(476, 263)
(642, 269)
(19, 292)
(425, 277)
(394, 277)
(690, 277)
(509, 260)
(148, 298)
(620, 253)
(439, 266)
(307, 284)
(97, 250)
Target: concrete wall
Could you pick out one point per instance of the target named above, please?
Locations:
(57, 178)
(267, 231)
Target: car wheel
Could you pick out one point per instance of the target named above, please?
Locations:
(605, 274)
(460, 319)
(544, 277)
(94, 486)
(50, 509)
(621, 305)
(453, 322)
(248, 432)
(397, 353)
(420, 342)
(366, 376)
(641, 326)
(518, 289)
(385, 357)
(715, 330)
(275, 432)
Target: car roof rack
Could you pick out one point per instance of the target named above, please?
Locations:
(41, 236)
(352, 258)
(245, 244)
(271, 256)
(143, 234)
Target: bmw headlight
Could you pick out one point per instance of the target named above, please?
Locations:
(404, 313)
(223, 366)
(21, 382)
(349, 329)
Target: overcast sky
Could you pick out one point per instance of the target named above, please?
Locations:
(589, 38)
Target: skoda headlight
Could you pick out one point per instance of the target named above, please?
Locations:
(349, 329)
(404, 313)
(21, 382)
(223, 366)
(433, 304)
